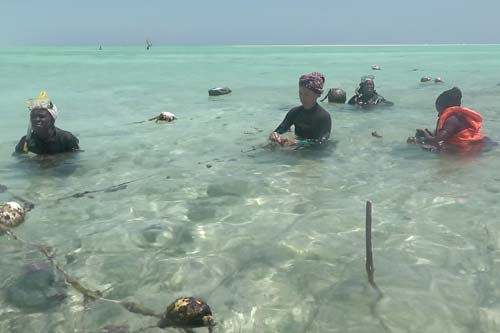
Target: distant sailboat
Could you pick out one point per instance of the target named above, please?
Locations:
(148, 44)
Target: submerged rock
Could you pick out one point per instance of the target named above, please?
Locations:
(201, 210)
(36, 289)
(115, 329)
(228, 187)
(176, 239)
(151, 233)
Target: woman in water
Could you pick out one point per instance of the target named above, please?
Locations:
(312, 123)
(458, 128)
(43, 137)
(366, 95)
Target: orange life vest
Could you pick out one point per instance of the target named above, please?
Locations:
(465, 136)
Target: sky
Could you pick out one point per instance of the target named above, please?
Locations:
(250, 22)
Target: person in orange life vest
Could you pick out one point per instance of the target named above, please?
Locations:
(457, 127)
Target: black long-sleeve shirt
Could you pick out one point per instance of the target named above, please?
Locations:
(312, 124)
(374, 99)
(61, 142)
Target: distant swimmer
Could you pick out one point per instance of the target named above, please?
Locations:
(366, 95)
(312, 123)
(438, 80)
(43, 137)
(425, 79)
(376, 67)
(458, 128)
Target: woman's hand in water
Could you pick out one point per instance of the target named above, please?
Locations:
(288, 141)
(275, 137)
(424, 134)
(431, 135)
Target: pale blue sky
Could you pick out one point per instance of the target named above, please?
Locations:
(205, 22)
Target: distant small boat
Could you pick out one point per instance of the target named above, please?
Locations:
(148, 44)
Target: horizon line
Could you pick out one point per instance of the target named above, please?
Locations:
(405, 44)
(265, 45)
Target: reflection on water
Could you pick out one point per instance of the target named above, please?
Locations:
(272, 237)
(59, 166)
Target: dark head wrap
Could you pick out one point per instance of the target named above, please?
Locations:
(448, 98)
(313, 81)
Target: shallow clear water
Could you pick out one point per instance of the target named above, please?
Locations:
(272, 239)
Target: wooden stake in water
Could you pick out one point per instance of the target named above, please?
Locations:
(370, 269)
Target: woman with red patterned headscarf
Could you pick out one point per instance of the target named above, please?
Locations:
(312, 123)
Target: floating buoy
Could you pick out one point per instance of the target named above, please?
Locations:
(11, 214)
(336, 95)
(164, 116)
(219, 91)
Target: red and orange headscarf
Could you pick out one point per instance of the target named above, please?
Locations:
(313, 81)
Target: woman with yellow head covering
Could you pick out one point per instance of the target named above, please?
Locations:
(43, 137)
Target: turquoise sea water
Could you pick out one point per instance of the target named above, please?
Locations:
(273, 239)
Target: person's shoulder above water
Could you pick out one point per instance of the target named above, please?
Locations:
(322, 111)
(295, 110)
(60, 141)
(380, 100)
(21, 146)
(67, 140)
(315, 109)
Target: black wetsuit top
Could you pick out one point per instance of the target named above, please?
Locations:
(313, 124)
(61, 142)
(375, 99)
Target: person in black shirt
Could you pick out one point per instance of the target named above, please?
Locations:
(366, 95)
(312, 123)
(43, 137)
